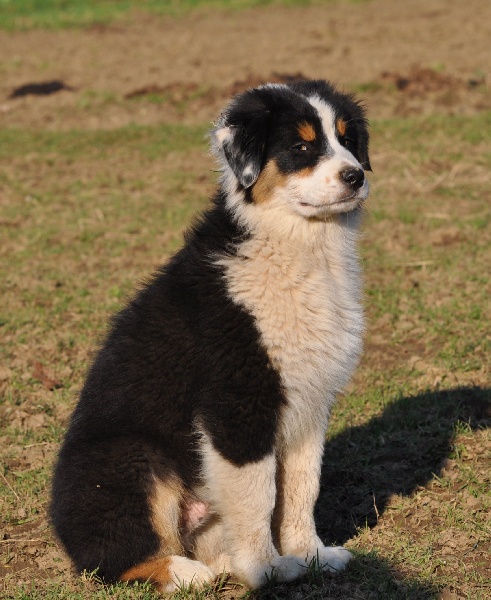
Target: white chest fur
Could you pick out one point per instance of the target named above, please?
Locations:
(305, 299)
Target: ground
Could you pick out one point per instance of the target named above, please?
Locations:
(97, 181)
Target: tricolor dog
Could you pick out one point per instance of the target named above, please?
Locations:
(197, 441)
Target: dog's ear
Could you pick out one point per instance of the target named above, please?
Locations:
(362, 146)
(356, 116)
(360, 120)
(240, 137)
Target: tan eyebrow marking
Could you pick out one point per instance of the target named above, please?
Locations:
(306, 131)
(341, 126)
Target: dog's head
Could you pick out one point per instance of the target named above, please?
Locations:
(302, 145)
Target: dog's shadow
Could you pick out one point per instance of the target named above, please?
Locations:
(394, 453)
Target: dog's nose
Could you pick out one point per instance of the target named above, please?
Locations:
(353, 176)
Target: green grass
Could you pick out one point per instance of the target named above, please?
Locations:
(151, 142)
(60, 14)
(87, 215)
(92, 186)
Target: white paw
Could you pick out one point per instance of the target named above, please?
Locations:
(332, 558)
(186, 572)
(279, 568)
(288, 568)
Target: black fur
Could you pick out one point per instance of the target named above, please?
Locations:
(181, 351)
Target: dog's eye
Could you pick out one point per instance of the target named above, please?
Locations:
(300, 147)
(348, 141)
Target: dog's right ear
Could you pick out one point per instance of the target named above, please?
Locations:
(240, 137)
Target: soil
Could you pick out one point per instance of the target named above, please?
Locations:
(429, 53)
(402, 58)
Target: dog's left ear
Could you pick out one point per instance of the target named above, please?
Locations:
(240, 137)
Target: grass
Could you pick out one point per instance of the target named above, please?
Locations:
(62, 14)
(86, 215)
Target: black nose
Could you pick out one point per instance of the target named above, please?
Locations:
(354, 177)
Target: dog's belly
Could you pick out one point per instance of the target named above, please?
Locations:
(310, 318)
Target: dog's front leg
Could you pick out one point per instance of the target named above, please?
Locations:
(298, 483)
(244, 497)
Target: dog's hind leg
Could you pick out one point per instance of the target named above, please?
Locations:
(169, 573)
(170, 569)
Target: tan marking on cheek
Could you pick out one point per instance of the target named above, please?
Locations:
(306, 131)
(341, 126)
(269, 179)
(306, 172)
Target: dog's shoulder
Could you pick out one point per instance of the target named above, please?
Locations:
(183, 352)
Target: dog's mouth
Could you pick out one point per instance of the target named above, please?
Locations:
(322, 205)
(346, 202)
(343, 204)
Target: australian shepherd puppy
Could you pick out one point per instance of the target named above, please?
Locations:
(197, 442)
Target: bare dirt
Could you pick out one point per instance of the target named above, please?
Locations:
(403, 58)
(432, 53)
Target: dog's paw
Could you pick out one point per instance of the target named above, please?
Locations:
(288, 568)
(185, 573)
(332, 558)
(278, 569)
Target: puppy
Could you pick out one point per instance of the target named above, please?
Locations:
(197, 441)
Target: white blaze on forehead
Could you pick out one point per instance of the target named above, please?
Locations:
(328, 120)
(326, 115)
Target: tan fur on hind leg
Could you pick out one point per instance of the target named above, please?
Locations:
(169, 570)
(165, 504)
(170, 573)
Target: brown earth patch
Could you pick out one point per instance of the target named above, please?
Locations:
(438, 61)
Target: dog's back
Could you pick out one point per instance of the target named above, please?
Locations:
(208, 402)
